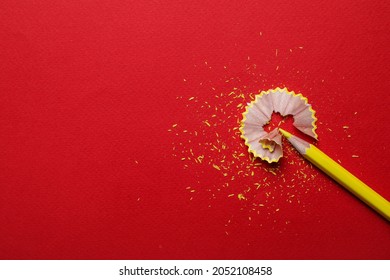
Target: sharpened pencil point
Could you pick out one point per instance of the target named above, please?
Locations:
(285, 133)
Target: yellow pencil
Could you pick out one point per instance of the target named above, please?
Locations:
(340, 175)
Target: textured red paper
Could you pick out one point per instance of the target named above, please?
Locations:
(89, 89)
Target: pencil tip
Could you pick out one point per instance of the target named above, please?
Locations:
(285, 133)
(298, 143)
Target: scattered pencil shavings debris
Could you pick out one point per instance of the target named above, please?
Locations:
(268, 146)
(204, 147)
(209, 148)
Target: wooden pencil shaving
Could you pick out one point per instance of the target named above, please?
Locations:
(268, 146)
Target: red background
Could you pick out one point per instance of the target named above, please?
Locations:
(89, 90)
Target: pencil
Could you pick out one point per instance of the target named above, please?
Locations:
(340, 175)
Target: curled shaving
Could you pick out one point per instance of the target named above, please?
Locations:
(268, 146)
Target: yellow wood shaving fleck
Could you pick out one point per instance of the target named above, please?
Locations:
(216, 167)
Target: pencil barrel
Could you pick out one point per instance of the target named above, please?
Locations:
(349, 181)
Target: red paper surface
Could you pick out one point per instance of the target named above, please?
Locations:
(90, 89)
